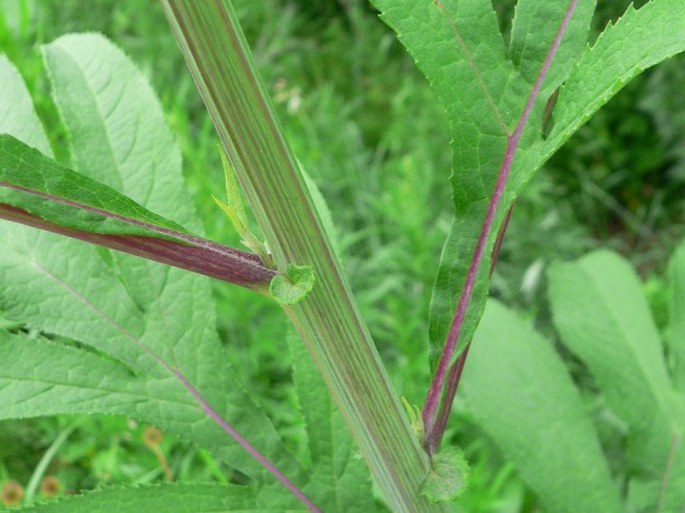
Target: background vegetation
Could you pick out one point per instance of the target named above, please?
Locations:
(366, 127)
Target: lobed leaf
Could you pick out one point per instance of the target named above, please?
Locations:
(484, 94)
(460, 51)
(521, 395)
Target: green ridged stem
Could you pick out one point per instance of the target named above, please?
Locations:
(327, 319)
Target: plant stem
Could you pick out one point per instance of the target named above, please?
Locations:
(328, 319)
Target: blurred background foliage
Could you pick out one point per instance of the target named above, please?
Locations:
(366, 127)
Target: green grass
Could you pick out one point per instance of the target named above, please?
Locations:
(366, 127)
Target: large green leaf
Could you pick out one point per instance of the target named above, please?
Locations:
(602, 316)
(521, 395)
(124, 308)
(339, 474)
(479, 139)
(170, 498)
(459, 49)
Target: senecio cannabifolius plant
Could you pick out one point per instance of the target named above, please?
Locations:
(147, 347)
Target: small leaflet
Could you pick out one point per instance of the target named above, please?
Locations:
(292, 287)
(448, 477)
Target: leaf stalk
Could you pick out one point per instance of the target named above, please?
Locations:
(194, 254)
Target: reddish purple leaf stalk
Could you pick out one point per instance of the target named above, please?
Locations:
(187, 252)
(458, 366)
(433, 426)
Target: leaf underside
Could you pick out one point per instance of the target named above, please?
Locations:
(603, 317)
(126, 314)
(521, 395)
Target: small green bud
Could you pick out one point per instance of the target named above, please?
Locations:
(293, 286)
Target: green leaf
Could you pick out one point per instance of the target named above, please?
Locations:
(521, 395)
(292, 287)
(448, 476)
(134, 312)
(637, 41)
(118, 134)
(32, 179)
(40, 377)
(339, 474)
(602, 316)
(676, 328)
(170, 498)
(460, 51)
(458, 45)
(18, 116)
